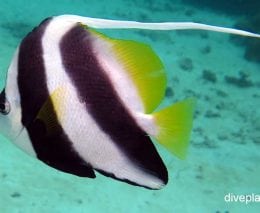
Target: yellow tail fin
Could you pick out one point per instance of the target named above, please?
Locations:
(175, 123)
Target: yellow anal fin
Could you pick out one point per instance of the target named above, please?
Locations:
(174, 124)
(143, 67)
(52, 111)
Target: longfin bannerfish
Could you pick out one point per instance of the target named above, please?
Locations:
(83, 102)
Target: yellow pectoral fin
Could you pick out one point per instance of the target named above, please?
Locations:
(53, 110)
(175, 123)
(143, 67)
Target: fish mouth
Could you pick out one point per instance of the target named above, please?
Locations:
(19, 133)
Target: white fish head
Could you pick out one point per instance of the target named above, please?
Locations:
(10, 107)
(9, 118)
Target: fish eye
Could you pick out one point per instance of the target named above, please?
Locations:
(4, 104)
(5, 108)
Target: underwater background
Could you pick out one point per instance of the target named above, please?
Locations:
(221, 71)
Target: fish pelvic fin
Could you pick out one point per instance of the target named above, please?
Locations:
(174, 124)
(119, 24)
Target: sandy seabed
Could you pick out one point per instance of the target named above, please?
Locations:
(224, 154)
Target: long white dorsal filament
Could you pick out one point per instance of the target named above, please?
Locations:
(118, 24)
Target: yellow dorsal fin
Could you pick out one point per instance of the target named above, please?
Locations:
(144, 68)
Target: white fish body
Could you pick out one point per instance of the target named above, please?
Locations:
(80, 101)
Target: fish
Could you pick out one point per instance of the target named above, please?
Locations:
(82, 102)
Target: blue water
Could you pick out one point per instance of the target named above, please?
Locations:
(224, 154)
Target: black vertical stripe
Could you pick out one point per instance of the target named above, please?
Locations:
(55, 149)
(95, 89)
(31, 75)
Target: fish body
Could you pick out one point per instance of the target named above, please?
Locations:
(83, 102)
